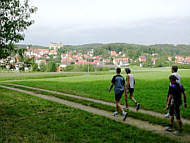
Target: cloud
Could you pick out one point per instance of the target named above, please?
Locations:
(86, 21)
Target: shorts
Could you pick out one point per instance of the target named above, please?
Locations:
(131, 90)
(118, 96)
(175, 109)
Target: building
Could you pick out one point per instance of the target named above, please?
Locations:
(187, 60)
(121, 61)
(142, 59)
(179, 59)
(154, 61)
(113, 53)
(170, 58)
(55, 46)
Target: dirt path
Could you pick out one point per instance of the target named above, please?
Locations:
(152, 113)
(131, 121)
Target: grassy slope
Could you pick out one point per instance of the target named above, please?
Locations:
(29, 119)
(150, 89)
(137, 115)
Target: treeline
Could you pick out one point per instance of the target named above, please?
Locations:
(132, 50)
(84, 68)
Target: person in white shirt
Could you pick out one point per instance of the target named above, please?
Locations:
(174, 70)
(130, 82)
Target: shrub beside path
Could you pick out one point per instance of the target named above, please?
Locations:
(130, 121)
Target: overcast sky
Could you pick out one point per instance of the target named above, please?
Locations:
(108, 21)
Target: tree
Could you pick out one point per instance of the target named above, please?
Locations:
(35, 67)
(15, 17)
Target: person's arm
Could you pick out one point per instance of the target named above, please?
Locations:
(168, 102)
(185, 99)
(112, 83)
(124, 85)
(110, 87)
(128, 79)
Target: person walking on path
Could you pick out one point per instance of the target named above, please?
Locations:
(130, 88)
(118, 82)
(174, 70)
(175, 92)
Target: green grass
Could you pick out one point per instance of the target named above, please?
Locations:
(137, 115)
(4, 76)
(150, 89)
(25, 118)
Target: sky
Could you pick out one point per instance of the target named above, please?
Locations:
(76, 22)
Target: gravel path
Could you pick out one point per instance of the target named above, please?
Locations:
(131, 121)
(152, 113)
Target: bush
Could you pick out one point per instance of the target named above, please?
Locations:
(183, 66)
(35, 67)
(51, 67)
(102, 69)
(42, 67)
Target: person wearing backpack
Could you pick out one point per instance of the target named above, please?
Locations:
(174, 102)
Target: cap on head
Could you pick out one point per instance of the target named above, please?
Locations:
(118, 70)
(127, 70)
(175, 68)
(173, 77)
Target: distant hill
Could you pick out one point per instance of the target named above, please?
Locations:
(31, 46)
(131, 49)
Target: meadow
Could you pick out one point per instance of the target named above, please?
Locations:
(30, 119)
(150, 89)
(25, 118)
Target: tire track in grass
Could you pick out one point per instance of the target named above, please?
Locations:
(130, 121)
(133, 109)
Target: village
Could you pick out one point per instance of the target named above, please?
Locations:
(41, 56)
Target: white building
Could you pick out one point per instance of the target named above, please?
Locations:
(55, 46)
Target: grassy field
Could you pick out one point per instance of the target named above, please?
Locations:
(29, 119)
(150, 89)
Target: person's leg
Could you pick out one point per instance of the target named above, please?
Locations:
(118, 107)
(178, 117)
(132, 98)
(179, 124)
(171, 121)
(171, 111)
(126, 99)
(125, 114)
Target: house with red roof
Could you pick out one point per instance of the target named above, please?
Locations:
(187, 60)
(179, 59)
(142, 58)
(113, 53)
(121, 61)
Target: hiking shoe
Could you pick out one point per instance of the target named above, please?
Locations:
(169, 129)
(125, 114)
(167, 115)
(115, 113)
(137, 106)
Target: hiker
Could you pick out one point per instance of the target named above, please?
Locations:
(174, 70)
(119, 87)
(130, 88)
(175, 91)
